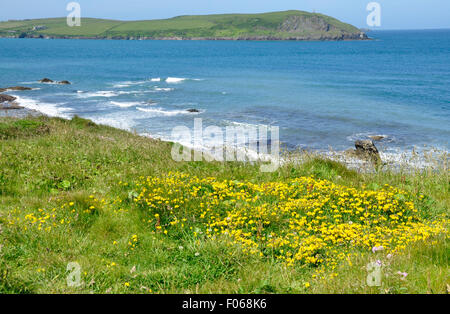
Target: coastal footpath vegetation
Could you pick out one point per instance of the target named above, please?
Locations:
(286, 25)
(135, 221)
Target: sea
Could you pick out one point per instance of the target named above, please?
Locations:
(321, 95)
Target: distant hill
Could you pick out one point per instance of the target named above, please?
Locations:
(286, 25)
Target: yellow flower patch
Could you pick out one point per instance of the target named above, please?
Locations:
(302, 221)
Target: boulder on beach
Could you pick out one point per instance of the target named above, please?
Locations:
(6, 98)
(46, 80)
(64, 83)
(365, 150)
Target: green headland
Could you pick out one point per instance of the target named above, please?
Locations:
(286, 25)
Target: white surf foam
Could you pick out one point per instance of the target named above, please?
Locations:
(163, 89)
(162, 112)
(125, 104)
(97, 94)
(133, 92)
(175, 80)
(156, 79)
(52, 110)
(128, 84)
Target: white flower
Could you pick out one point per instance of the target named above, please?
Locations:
(377, 248)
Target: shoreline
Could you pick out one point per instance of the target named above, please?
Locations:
(405, 160)
(15, 106)
(262, 38)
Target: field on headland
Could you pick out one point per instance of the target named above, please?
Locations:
(136, 221)
(294, 25)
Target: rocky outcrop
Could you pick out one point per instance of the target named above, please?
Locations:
(46, 80)
(7, 101)
(366, 146)
(193, 110)
(365, 150)
(295, 24)
(15, 88)
(288, 37)
(6, 98)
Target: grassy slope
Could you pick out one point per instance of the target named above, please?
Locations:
(47, 162)
(58, 27)
(211, 26)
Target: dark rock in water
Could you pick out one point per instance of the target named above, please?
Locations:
(46, 80)
(6, 98)
(377, 137)
(366, 149)
(2, 90)
(193, 110)
(18, 88)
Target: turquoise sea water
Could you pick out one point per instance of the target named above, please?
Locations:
(320, 94)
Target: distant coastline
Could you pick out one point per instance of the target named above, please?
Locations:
(268, 38)
(287, 25)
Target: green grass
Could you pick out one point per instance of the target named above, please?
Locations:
(202, 26)
(73, 159)
(22, 129)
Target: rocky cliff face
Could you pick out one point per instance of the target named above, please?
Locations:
(295, 24)
(316, 28)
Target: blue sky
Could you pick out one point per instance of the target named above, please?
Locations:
(396, 14)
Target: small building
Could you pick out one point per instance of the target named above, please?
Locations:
(39, 28)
